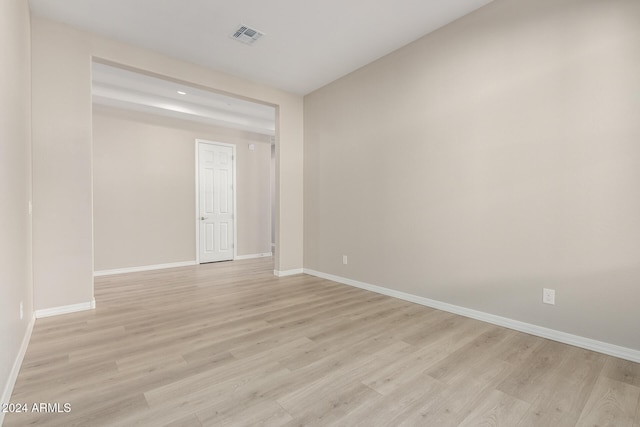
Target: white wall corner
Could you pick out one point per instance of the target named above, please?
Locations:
(15, 369)
(540, 331)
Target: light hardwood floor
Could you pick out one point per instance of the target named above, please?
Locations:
(230, 344)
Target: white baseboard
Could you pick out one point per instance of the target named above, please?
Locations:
(540, 331)
(142, 268)
(286, 273)
(15, 370)
(66, 309)
(252, 256)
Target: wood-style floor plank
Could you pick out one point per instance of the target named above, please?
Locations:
(612, 403)
(498, 409)
(229, 344)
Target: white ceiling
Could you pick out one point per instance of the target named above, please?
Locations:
(125, 89)
(307, 44)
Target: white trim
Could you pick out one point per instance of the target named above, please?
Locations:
(235, 192)
(66, 309)
(252, 256)
(143, 268)
(197, 211)
(17, 364)
(540, 331)
(286, 273)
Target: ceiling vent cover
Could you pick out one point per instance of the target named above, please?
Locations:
(247, 35)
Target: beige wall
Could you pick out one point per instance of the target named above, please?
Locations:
(492, 158)
(61, 137)
(144, 188)
(62, 154)
(15, 185)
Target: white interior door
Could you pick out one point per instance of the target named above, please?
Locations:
(216, 202)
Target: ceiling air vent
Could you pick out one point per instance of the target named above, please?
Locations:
(247, 35)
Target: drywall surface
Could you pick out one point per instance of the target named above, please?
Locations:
(15, 188)
(144, 178)
(485, 161)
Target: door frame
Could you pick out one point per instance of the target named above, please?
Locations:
(235, 185)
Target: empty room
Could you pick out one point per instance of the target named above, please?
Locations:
(389, 213)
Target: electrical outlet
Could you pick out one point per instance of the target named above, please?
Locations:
(21, 310)
(548, 296)
(344, 259)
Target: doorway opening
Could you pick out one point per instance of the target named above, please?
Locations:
(144, 128)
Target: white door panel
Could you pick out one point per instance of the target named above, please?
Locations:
(216, 202)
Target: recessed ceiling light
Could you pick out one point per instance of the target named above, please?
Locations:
(182, 93)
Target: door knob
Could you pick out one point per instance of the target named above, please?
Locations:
(202, 218)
